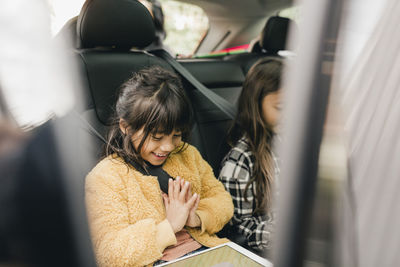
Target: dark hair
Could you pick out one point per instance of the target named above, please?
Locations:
(263, 78)
(153, 99)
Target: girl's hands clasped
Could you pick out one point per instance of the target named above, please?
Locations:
(193, 219)
(180, 205)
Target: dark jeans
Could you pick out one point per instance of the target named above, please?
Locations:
(190, 253)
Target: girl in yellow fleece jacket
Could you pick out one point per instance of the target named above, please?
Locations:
(134, 223)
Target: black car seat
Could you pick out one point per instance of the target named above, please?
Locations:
(106, 30)
(225, 79)
(272, 40)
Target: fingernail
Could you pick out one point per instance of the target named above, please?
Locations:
(195, 194)
(186, 183)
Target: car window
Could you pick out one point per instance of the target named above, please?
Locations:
(185, 24)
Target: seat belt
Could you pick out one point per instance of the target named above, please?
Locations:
(227, 108)
(156, 171)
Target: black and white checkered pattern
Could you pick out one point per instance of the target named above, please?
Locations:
(237, 168)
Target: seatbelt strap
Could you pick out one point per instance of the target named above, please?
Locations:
(156, 171)
(221, 103)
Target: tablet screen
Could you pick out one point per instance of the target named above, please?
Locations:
(224, 256)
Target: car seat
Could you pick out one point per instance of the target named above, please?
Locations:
(272, 40)
(107, 30)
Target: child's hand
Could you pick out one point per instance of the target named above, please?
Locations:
(177, 205)
(193, 219)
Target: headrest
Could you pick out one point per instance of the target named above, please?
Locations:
(119, 23)
(273, 36)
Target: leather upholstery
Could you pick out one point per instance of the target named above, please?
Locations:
(121, 24)
(273, 37)
(107, 69)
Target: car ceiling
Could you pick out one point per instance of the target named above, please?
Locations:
(241, 8)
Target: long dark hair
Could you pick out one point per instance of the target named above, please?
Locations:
(153, 100)
(263, 78)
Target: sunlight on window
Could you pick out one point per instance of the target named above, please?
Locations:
(185, 25)
(180, 22)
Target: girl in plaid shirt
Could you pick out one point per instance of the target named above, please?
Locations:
(249, 171)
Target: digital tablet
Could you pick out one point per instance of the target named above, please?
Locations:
(225, 255)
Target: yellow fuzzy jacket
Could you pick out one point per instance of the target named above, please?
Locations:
(127, 215)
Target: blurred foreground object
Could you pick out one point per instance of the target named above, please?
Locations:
(371, 100)
(42, 160)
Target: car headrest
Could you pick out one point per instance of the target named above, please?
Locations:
(115, 23)
(273, 36)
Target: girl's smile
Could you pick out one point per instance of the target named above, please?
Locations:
(160, 156)
(157, 147)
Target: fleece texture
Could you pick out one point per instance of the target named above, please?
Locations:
(127, 216)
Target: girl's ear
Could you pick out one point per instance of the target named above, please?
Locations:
(123, 125)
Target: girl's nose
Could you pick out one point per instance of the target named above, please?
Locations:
(167, 146)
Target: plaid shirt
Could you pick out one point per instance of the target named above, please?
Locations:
(237, 168)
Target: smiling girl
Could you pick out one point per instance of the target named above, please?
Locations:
(134, 223)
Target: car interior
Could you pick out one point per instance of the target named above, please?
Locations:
(108, 53)
(107, 59)
(107, 40)
(339, 178)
